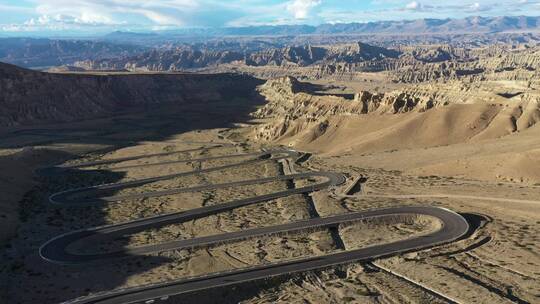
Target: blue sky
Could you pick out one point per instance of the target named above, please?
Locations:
(91, 16)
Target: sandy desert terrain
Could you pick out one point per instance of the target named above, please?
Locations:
(498, 262)
(402, 134)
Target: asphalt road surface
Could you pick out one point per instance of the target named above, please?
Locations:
(55, 251)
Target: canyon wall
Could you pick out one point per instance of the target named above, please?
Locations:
(29, 97)
(420, 116)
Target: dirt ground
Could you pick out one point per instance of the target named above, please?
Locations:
(497, 263)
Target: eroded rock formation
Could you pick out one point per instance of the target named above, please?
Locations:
(458, 112)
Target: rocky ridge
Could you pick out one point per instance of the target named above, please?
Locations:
(185, 58)
(404, 64)
(38, 53)
(29, 97)
(295, 113)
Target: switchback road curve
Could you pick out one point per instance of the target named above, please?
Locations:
(453, 227)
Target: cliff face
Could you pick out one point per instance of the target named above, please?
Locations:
(164, 60)
(345, 62)
(422, 116)
(193, 58)
(417, 65)
(28, 97)
(286, 98)
(308, 55)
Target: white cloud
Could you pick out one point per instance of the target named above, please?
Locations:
(418, 7)
(413, 5)
(478, 7)
(302, 8)
(83, 19)
(157, 17)
(61, 22)
(58, 22)
(475, 6)
(161, 14)
(165, 12)
(14, 8)
(456, 8)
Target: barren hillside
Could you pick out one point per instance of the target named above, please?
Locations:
(455, 129)
(29, 97)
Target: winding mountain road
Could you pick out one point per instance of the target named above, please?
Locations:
(56, 250)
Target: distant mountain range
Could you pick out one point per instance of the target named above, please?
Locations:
(30, 52)
(232, 44)
(420, 26)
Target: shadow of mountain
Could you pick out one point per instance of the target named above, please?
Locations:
(31, 279)
(321, 90)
